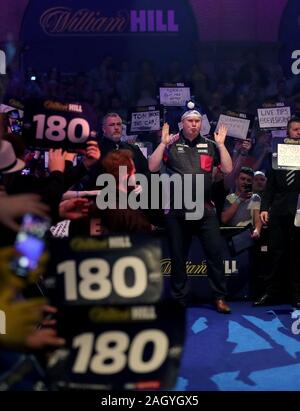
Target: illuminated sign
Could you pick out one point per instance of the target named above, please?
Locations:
(76, 36)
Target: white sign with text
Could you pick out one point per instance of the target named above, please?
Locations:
(273, 117)
(174, 96)
(145, 121)
(288, 155)
(237, 127)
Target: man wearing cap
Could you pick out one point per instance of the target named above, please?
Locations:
(259, 182)
(190, 153)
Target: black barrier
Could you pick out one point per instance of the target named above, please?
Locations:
(246, 262)
(244, 259)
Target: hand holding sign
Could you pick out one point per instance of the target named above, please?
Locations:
(92, 154)
(70, 156)
(56, 160)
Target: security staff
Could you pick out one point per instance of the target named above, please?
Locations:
(278, 210)
(190, 153)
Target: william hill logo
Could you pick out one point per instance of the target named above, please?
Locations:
(199, 269)
(65, 21)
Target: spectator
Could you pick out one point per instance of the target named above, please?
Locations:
(278, 209)
(239, 206)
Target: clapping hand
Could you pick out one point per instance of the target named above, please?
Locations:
(220, 135)
(165, 134)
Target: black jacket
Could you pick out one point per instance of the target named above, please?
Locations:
(107, 146)
(278, 197)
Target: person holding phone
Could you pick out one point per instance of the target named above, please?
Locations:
(30, 243)
(28, 325)
(239, 208)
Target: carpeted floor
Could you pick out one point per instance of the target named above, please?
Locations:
(252, 349)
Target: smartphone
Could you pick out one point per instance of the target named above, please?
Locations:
(29, 244)
(16, 127)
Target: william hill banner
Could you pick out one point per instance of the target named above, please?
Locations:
(81, 32)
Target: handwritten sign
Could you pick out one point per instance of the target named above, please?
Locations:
(288, 155)
(237, 126)
(174, 96)
(145, 121)
(273, 117)
(205, 126)
(128, 138)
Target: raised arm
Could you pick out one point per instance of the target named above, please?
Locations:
(156, 157)
(226, 163)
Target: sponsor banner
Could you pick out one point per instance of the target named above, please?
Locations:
(236, 268)
(55, 124)
(104, 270)
(57, 32)
(111, 347)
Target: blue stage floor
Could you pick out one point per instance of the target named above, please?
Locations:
(252, 349)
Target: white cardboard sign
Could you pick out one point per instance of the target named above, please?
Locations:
(237, 127)
(273, 117)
